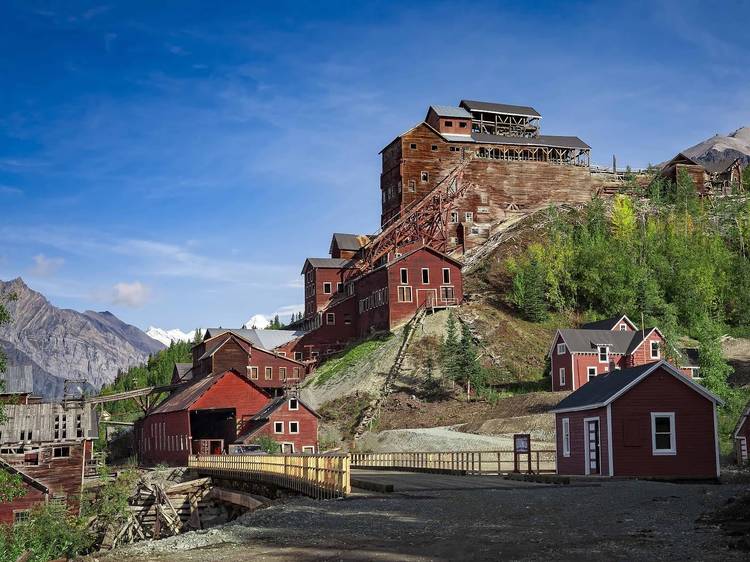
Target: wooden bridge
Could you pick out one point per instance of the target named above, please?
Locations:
(330, 476)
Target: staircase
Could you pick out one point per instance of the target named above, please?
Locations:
(373, 410)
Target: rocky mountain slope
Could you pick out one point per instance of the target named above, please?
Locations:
(61, 343)
(720, 147)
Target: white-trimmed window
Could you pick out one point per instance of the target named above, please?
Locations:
(330, 318)
(425, 276)
(404, 294)
(269, 373)
(308, 449)
(424, 176)
(623, 327)
(298, 356)
(663, 437)
(468, 217)
(278, 427)
(404, 275)
(591, 372)
(327, 288)
(339, 287)
(454, 217)
(293, 427)
(295, 373)
(655, 352)
(293, 404)
(566, 437)
(603, 354)
(446, 276)
(561, 374)
(282, 373)
(561, 349)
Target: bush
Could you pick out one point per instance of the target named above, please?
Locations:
(268, 445)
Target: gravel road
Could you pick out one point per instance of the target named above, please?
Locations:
(619, 520)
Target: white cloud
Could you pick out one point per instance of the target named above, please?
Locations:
(288, 309)
(133, 295)
(44, 266)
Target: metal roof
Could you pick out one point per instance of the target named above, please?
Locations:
(718, 167)
(329, 263)
(349, 241)
(606, 323)
(450, 111)
(555, 141)
(457, 138)
(587, 341)
(263, 339)
(602, 390)
(505, 108)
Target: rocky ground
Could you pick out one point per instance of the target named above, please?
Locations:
(618, 520)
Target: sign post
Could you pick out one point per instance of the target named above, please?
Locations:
(521, 446)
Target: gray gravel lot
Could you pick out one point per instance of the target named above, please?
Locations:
(623, 520)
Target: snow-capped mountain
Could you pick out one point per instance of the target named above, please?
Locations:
(168, 336)
(259, 322)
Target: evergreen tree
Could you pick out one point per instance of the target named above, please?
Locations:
(468, 362)
(528, 291)
(714, 369)
(198, 337)
(450, 351)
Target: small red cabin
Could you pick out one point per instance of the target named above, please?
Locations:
(288, 421)
(741, 436)
(649, 421)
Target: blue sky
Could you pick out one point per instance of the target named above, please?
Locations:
(176, 165)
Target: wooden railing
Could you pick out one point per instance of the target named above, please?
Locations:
(459, 462)
(317, 476)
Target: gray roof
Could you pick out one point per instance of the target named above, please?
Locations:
(450, 111)
(719, 166)
(586, 341)
(540, 140)
(605, 324)
(350, 241)
(472, 105)
(601, 390)
(329, 263)
(263, 339)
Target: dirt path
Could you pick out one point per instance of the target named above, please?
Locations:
(617, 521)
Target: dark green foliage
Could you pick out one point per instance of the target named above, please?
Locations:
(268, 445)
(714, 369)
(11, 486)
(528, 292)
(157, 371)
(459, 356)
(450, 351)
(49, 533)
(109, 502)
(276, 324)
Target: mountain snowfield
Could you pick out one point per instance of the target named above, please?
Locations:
(166, 337)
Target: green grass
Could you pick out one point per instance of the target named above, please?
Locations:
(728, 416)
(347, 359)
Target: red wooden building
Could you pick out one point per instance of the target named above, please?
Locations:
(643, 422)
(288, 421)
(578, 355)
(741, 435)
(204, 418)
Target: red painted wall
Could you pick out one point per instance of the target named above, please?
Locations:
(315, 298)
(262, 359)
(642, 354)
(561, 361)
(376, 319)
(164, 438)
(308, 427)
(32, 497)
(694, 424)
(575, 464)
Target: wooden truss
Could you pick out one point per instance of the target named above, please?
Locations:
(554, 155)
(424, 221)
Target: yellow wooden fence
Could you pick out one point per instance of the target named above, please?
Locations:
(459, 462)
(317, 476)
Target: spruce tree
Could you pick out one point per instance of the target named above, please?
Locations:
(450, 350)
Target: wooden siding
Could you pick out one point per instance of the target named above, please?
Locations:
(39, 420)
(575, 464)
(694, 424)
(557, 362)
(32, 497)
(308, 427)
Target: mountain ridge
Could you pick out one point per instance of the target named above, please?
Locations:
(723, 147)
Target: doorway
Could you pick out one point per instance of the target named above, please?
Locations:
(593, 452)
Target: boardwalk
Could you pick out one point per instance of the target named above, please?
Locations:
(420, 481)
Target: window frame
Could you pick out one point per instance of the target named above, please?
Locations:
(296, 404)
(561, 348)
(425, 270)
(446, 276)
(672, 434)
(330, 318)
(276, 425)
(653, 343)
(268, 373)
(253, 372)
(469, 216)
(289, 427)
(588, 372)
(282, 373)
(454, 217)
(561, 377)
(329, 289)
(424, 177)
(64, 448)
(402, 291)
(404, 275)
(606, 353)
(565, 430)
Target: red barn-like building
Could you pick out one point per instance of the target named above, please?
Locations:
(649, 421)
(289, 422)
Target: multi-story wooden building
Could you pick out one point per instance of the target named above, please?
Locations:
(513, 166)
(710, 178)
(50, 445)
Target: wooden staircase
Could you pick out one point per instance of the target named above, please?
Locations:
(373, 410)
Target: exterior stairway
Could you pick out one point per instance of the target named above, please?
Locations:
(373, 410)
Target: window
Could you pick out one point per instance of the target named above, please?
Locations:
(462, 124)
(562, 376)
(281, 353)
(446, 275)
(591, 372)
(326, 288)
(483, 210)
(566, 437)
(475, 230)
(454, 217)
(20, 515)
(293, 404)
(469, 217)
(412, 185)
(663, 439)
(654, 350)
(425, 276)
(60, 452)
(404, 276)
(298, 356)
(449, 123)
(269, 373)
(79, 427)
(447, 294)
(424, 176)
(253, 373)
(339, 287)
(623, 327)
(434, 147)
(330, 318)
(413, 146)
(295, 373)
(404, 294)
(282, 373)
(278, 427)
(347, 319)
(603, 354)
(561, 349)
(294, 427)
(309, 449)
